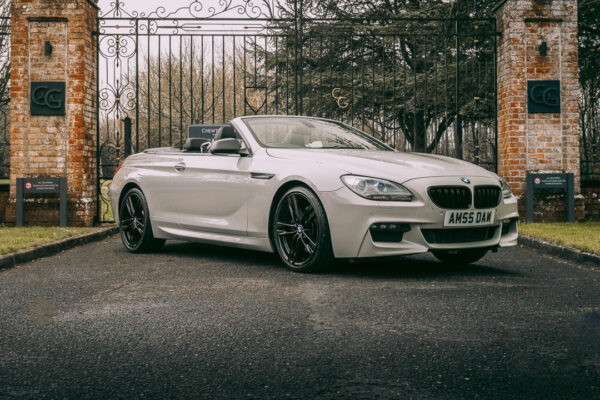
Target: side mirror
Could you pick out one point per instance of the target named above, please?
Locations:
(227, 146)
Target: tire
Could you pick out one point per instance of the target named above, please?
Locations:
(300, 232)
(460, 257)
(134, 224)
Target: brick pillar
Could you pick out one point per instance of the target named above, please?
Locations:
(538, 142)
(58, 145)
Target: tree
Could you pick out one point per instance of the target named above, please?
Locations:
(4, 86)
(589, 66)
(195, 83)
(376, 64)
(397, 73)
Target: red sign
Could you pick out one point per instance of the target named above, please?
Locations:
(28, 185)
(537, 181)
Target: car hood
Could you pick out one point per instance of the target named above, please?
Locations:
(397, 166)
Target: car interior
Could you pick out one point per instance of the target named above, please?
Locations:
(202, 145)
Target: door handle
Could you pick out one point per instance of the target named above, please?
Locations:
(180, 167)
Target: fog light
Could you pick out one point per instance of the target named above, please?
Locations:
(388, 231)
(507, 223)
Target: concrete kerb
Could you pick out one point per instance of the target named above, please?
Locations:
(558, 250)
(23, 256)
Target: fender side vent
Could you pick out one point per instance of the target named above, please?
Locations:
(261, 175)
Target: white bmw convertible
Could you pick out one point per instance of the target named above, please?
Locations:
(311, 190)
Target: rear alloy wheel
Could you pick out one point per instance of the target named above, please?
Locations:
(460, 257)
(134, 224)
(300, 232)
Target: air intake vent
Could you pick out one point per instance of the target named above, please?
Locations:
(487, 196)
(452, 197)
(461, 235)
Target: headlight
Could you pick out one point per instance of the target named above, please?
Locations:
(377, 189)
(506, 190)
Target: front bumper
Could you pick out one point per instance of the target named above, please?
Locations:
(350, 217)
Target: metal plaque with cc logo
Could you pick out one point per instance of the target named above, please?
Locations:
(47, 98)
(543, 97)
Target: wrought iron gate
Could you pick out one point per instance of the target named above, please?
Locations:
(4, 96)
(419, 84)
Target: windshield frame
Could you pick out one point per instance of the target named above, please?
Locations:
(358, 132)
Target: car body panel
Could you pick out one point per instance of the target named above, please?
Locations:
(419, 213)
(227, 199)
(153, 173)
(395, 166)
(211, 193)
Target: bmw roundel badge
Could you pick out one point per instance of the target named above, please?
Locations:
(465, 180)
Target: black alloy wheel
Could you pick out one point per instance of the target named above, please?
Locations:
(300, 232)
(134, 223)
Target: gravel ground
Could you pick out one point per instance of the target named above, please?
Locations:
(211, 322)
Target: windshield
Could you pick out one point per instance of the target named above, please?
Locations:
(309, 133)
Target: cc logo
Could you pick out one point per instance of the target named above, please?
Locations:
(547, 96)
(342, 101)
(43, 96)
(543, 97)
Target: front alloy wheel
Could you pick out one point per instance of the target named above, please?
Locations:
(300, 232)
(134, 224)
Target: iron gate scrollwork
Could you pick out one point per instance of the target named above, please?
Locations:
(419, 84)
(4, 96)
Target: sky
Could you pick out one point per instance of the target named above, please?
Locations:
(151, 5)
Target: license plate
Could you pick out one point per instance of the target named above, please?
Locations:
(469, 218)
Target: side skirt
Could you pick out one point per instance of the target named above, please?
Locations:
(242, 242)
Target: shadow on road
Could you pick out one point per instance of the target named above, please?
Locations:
(222, 253)
(420, 266)
(413, 267)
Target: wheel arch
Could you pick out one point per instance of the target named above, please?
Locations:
(126, 189)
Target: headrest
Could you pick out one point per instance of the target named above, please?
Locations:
(298, 140)
(299, 136)
(226, 132)
(193, 144)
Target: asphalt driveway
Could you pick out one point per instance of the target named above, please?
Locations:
(210, 322)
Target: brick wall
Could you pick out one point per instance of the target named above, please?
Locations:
(54, 145)
(591, 196)
(538, 142)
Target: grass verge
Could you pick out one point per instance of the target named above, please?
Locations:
(583, 236)
(14, 239)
